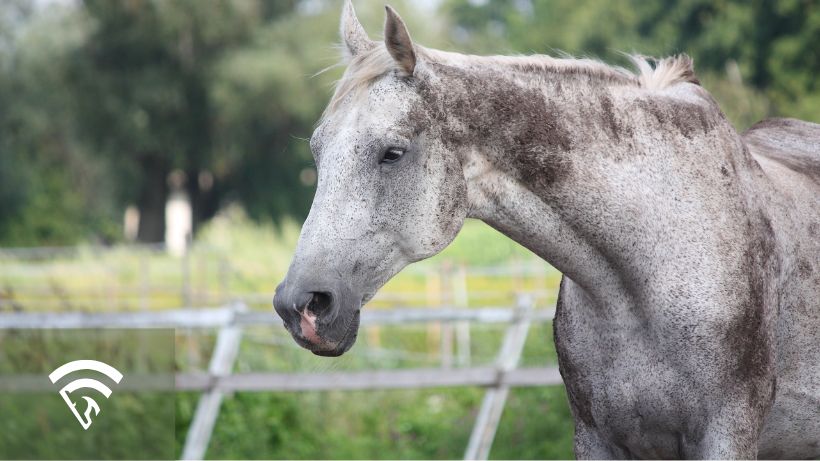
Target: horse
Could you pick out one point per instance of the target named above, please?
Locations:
(688, 318)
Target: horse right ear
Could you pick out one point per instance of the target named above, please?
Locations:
(354, 39)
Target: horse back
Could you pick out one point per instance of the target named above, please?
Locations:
(788, 153)
(792, 143)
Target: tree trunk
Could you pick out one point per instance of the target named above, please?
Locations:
(152, 197)
(204, 203)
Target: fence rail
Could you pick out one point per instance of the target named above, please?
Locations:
(486, 376)
(370, 380)
(225, 316)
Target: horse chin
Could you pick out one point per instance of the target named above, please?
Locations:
(332, 351)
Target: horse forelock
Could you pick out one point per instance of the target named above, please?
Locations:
(362, 70)
(369, 66)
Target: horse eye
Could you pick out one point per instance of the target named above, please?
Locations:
(392, 155)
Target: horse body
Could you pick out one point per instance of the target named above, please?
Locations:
(679, 252)
(655, 407)
(688, 318)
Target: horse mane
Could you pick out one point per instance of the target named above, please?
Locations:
(667, 71)
(367, 67)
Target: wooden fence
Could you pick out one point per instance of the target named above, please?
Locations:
(231, 320)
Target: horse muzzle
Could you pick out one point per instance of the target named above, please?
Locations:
(323, 319)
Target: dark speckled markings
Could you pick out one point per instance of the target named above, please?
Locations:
(688, 318)
(804, 269)
(689, 119)
(536, 137)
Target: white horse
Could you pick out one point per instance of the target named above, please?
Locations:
(688, 321)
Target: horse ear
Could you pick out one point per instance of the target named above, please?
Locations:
(398, 42)
(354, 38)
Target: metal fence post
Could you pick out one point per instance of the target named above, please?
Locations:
(144, 289)
(461, 299)
(186, 272)
(207, 409)
(489, 415)
(223, 274)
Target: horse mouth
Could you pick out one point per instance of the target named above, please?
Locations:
(333, 348)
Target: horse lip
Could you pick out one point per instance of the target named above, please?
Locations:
(312, 347)
(331, 353)
(340, 347)
(307, 326)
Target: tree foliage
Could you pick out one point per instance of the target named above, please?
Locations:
(766, 49)
(49, 182)
(141, 81)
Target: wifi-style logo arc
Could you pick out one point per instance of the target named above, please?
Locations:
(82, 383)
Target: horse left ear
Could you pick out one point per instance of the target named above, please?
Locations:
(354, 39)
(398, 42)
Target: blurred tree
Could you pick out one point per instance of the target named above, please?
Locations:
(265, 104)
(773, 43)
(12, 186)
(141, 83)
(51, 192)
(104, 99)
(770, 44)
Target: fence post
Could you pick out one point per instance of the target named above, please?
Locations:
(433, 290)
(145, 297)
(518, 277)
(186, 272)
(489, 415)
(461, 299)
(207, 409)
(224, 291)
(447, 326)
(539, 278)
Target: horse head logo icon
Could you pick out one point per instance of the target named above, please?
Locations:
(91, 404)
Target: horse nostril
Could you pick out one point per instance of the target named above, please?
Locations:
(320, 302)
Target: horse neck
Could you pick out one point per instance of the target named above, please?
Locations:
(594, 175)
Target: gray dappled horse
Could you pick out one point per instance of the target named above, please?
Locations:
(688, 321)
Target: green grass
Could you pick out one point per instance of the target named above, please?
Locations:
(133, 424)
(234, 258)
(406, 424)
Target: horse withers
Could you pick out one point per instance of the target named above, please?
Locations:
(688, 320)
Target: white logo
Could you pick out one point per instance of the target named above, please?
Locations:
(70, 367)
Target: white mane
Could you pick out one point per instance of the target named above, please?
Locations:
(368, 66)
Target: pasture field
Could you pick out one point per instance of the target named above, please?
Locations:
(235, 259)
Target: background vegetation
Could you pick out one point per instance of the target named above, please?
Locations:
(137, 422)
(100, 101)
